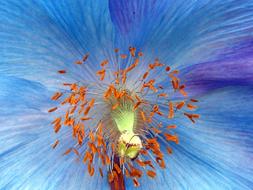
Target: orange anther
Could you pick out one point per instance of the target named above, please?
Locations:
(145, 75)
(85, 57)
(101, 172)
(115, 106)
(169, 150)
(162, 95)
(136, 105)
(103, 63)
(140, 54)
(85, 118)
(56, 96)
(170, 137)
(123, 56)
(143, 116)
(62, 71)
(171, 126)
(86, 111)
(167, 68)
(91, 169)
(191, 107)
(132, 51)
(110, 177)
(180, 105)
(67, 151)
(171, 111)
(136, 183)
(192, 116)
(78, 62)
(52, 109)
(91, 104)
(117, 168)
(151, 173)
(55, 144)
(57, 127)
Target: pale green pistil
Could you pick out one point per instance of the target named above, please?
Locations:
(125, 121)
(129, 143)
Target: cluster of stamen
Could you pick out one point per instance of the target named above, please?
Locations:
(126, 137)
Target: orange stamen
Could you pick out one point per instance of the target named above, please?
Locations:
(143, 116)
(191, 107)
(145, 75)
(123, 56)
(170, 137)
(101, 172)
(180, 105)
(85, 57)
(140, 54)
(103, 63)
(192, 116)
(52, 109)
(115, 106)
(151, 173)
(132, 51)
(78, 62)
(55, 144)
(117, 168)
(67, 151)
(171, 126)
(136, 183)
(62, 71)
(167, 68)
(56, 96)
(171, 110)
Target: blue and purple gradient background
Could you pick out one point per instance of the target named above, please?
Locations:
(210, 42)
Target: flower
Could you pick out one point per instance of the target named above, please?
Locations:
(117, 123)
(209, 42)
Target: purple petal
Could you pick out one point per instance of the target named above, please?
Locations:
(232, 68)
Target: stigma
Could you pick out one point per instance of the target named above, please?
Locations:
(119, 120)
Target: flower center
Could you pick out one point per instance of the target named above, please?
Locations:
(117, 118)
(129, 144)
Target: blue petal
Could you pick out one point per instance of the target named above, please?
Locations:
(183, 33)
(45, 36)
(38, 38)
(211, 42)
(217, 152)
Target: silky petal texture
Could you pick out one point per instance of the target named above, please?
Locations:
(232, 69)
(218, 152)
(52, 36)
(187, 33)
(38, 38)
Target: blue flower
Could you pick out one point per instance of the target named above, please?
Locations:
(210, 42)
